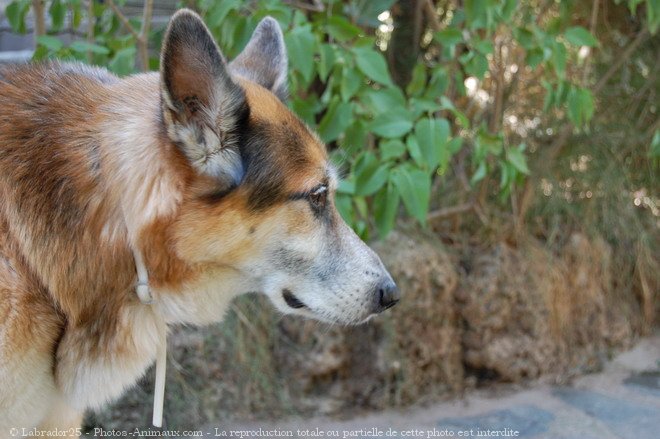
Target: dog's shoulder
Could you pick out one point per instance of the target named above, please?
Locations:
(52, 72)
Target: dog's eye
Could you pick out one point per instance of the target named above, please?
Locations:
(318, 197)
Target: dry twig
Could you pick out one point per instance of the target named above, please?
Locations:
(91, 21)
(141, 37)
(39, 18)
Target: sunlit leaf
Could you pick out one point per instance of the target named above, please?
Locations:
(386, 207)
(57, 13)
(50, 42)
(372, 64)
(394, 123)
(84, 46)
(336, 120)
(414, 185)
(432, 135)
(391, 149)
(300, 44)
(579, 36)
(517, 159)
(341, 29)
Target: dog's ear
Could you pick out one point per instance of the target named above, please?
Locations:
(201, 103)
(264, 59)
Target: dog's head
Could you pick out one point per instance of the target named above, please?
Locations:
(261, 202)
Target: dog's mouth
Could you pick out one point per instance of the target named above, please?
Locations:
(292, 300)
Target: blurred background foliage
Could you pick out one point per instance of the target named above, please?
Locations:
(490, 124)
(433, 109)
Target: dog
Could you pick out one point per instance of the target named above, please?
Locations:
(127, 205)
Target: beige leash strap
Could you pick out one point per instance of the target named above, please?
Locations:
(144, 294)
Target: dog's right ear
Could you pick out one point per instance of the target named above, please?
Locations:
(201, 103)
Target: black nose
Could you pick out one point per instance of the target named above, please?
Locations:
(388, 295)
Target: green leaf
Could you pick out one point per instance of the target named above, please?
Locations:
(653, 15)
(346, 187)
(438, 83)
(394, 123)
(449, 37)
(355, 137)
(524, 37)
(579, 36)
(341, 29)
(432, 135)
(307, 108)
(414, 185)
(412, 145)
(16, 12)
(580, 106)
(487, 143)
(344, 205)
(371, 179)
(477, 66)
(351, 81)
(219, 11)
(508, 7)
(391, 149)
(455, 145)
(57, 13)
(479, 174)
(418, 81)
(421, 106)
(485, 47)
(534, 57)
(326, 61)
(84, 47)
(549, 98)
(372, 64)
(76, 13)
(386, 207)
(461, 118)
(336, 120)
(559, 59)
(476, 13)
(50, 42)
(654, 149)
(383, 100)
(516, 157)
(300, 44)
(123, 62)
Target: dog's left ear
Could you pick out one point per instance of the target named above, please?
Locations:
(202, 105)
(264, 59)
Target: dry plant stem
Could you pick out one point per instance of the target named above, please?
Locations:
(141, 37)
(91, 21)
(498, 83)
(315, 6)
(592, 29)
(124, 21)
(450, 211)
(620, 60)
(431, 15)
(525, 200)
(39, 18)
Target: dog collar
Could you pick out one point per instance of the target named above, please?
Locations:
(144, 294)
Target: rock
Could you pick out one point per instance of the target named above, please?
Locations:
(529, 312)
(625, 418)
